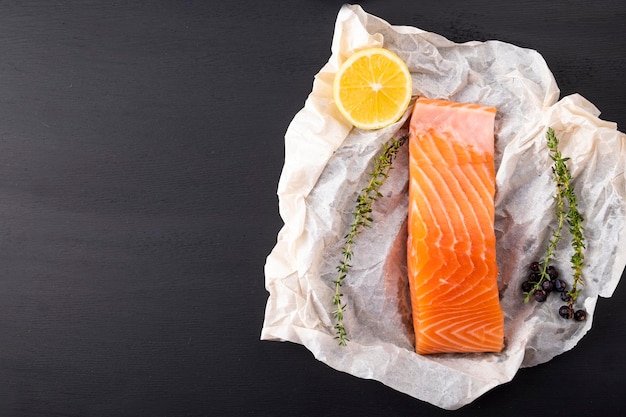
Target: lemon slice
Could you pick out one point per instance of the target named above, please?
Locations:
(372, 88)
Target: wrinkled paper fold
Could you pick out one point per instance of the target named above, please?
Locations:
(327, 163)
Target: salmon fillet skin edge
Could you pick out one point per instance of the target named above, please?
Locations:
(451, 247)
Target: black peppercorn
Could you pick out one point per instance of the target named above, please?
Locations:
(580, 315)
(534, 267)
(559, 285)
(547, 286)
(554, 274)
(540, 296)
(565, 312)
(527, 286)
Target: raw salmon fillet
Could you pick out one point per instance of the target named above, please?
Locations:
(452, 245)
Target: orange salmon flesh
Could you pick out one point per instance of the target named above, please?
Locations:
(451, 248)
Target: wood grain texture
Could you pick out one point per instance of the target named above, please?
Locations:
(140, 149)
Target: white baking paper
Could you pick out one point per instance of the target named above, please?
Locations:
(327, 163)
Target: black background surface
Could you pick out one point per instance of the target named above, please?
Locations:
(140, 149)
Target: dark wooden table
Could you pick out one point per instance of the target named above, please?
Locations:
(140, 149)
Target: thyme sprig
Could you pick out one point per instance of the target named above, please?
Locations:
(362, 217)
(574, 218)
(566, 210)
(559, 169)
(552, 243)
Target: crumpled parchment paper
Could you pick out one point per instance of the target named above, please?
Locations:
(327, 163)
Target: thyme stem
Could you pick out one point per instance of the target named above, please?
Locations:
(565, 194)
(574, 218)
(559, 199)
(552, 243)
(362, 218)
